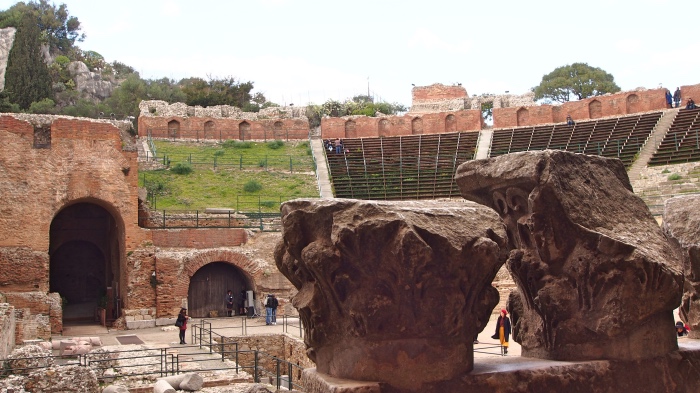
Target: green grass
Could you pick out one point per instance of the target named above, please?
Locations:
(223, 186)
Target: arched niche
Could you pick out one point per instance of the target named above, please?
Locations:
(417, 126)
(595, 109)
(350, 129)
(244, 131)
(174, 129)
(522, 117)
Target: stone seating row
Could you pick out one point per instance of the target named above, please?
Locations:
(620, 137)
(682, 141)
(405, 167)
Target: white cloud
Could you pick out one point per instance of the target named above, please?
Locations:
(424, 38)
(171, 8)
(629, 45)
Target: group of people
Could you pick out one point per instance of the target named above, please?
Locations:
(674, 100)
(334, 146)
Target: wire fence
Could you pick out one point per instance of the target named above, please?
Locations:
(283, 163)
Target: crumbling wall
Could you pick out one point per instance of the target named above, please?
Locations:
(7, 329)
(619, 104)
(221, 122)
(438, 98)
(409, 124)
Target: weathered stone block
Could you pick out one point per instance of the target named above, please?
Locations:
(373, 275)
(141, 324)
(597, 279)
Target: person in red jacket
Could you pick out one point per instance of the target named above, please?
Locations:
(503, 330)
(182, 324)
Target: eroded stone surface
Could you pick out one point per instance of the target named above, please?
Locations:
(391, 291)
(597, 278)
(682, 223)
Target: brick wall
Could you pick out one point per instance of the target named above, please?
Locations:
(282, 346)
(692, 91)
(437, 92)
(591, 108)
(199, 238)
(202, 128)
(428, 123)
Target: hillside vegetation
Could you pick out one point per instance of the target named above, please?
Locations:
(245, 176)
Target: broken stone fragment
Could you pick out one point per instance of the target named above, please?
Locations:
(682, 224)
(391, 291)
(596, 276)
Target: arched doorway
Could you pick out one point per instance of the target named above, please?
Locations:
(383, 127)
(209, 130)
(633, 104)
(278, 131)
(595, 109)
(208, 286)
(174, 129)
(350, 129)
(417, 126)
(84, 261)
(244, 131)
(450, 123)
(522, 117)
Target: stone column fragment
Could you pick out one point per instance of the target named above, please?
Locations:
(597, 278)
(391, 291)
(682, 224)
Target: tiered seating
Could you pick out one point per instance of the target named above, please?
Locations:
(405, 167)
(620, 137)
(682, 141)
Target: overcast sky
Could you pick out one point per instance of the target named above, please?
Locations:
(300, 51)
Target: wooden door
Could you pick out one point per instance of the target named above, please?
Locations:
(208, 288)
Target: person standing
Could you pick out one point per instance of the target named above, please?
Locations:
(241, 303)
(268, 309)
(182, 323)
(229, 303)
(677, 97)
(669, 99)
(503, 330)
(274, 304)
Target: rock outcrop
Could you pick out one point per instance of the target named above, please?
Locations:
(391, 291)
(90, 83)
(682, 223)
(7, 38)
(597, 278)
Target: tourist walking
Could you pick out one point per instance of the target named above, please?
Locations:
(182, 324)
(268, 309)
(273, 304)
(503, 330)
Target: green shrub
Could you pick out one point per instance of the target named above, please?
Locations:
(233, 144)
(219, 153)
(268, 203)
(665, 171)
(674, 176)
(252, 186)
(182, 168)
(276, 144)
(262, 163)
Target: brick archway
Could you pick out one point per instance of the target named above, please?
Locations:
(171, 297)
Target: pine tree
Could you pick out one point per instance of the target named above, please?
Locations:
(27, 78)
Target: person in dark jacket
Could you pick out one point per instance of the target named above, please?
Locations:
(503, 330)
(182, 322)
(669, 99)
(681, 330)
(229, 303)
(677, 97)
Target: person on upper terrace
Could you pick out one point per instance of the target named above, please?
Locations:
(669, 99)
(690, 104)
(569, 120)
(677, 97)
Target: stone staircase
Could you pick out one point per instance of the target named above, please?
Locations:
(655, 139)
(322, 173)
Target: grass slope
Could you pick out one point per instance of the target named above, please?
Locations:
(221, 174)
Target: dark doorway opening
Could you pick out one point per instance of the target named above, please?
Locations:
(84, 252)
(208, 286)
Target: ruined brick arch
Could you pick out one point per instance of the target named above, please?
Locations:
(633, 104)
(350, 129)
(595, 109)
(209, 130)
(278, 130)
(383, 127)
(450, 123)
(522, 117)
(244, 131)
(174, 129)
(417, 126)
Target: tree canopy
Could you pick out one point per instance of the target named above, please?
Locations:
(577, 79)
(27, 77)
(59, 30)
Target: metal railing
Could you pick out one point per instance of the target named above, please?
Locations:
(269, 161)
(162, 219)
